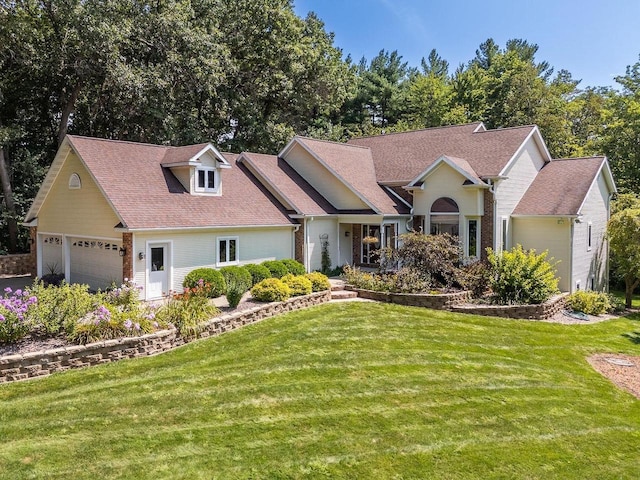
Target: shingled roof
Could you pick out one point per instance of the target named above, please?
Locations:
(400, 157)
(355, 167)
(285, 181)
(146, 196)
(560, 187)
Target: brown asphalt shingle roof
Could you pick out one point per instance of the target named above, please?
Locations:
(560, 187)
(146, 195)
(401, 157)
(181, 154)
(290, 184)
(355, 166)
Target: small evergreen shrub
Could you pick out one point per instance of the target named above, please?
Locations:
(271, 290)
(521, 277)
(238, 281)
(319, 281)
(590, 302)
(276, 268)
(258, 272)
(294, 267)
(298, 284)
(188, 311)
(212, 280)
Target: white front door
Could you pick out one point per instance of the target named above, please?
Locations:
(158, 268)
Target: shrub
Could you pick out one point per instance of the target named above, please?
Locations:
(298, 284)
(590, 302)
(15, 308)
(521, 277)
(126, 295)
(365, 280)
(188, 311)
(475, 277)
(238, 281)
(410, 280)
(54, 279)
(212, 280)
(277, 269)
(319, 281)
(294, 267)
(109, 321)
(258, 272)
(60, 307)
(271, 290)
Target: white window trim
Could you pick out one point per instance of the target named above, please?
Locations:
(232, 262)
(216, 180)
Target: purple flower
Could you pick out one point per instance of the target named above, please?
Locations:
(33, 299)
(137, 326)
(155, 325)
(128, 324)
(2, 318)
(18, 292)
(7, 290)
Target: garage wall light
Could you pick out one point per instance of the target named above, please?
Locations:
(141, 255)
(122, 252)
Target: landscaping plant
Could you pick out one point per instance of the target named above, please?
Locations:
(271, 290)
(298, 284)
(590, 302)
(211, 277)
(319, 281)
(293, 266)
(258, 272)
(187, 311)
(238, 282)
(521, 276)
(15, 308)
(276, 268)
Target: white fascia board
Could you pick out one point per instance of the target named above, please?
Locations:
(439, 161)
(212, 227)
(210, 148)
(608, 178)
(397, 196)
(331, 170)
(560, 215)
(535, 133)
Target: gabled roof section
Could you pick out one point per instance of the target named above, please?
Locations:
(460, 165)
(190, 155)
(400, 157)
(145, 195)
(354, 167)
(561, 186)
(286, 184)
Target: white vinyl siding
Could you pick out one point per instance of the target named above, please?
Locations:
(315, 229)
(191, 250)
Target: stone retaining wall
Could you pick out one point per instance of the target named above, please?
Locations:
(38, 364)
(17, 264)
(542, 311)
(442, 301)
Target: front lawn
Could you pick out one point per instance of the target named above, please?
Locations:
(351, 390)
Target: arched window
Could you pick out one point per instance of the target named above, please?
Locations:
(445, 217)
(74, 182)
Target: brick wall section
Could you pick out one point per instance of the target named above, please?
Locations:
(542, 311)
(38, 364)
(17, 264)
(298, 239)
(127, 260)
(356, 233)
(486, 225)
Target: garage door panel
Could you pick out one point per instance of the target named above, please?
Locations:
(95, 263)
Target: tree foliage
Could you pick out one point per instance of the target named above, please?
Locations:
(623, 233)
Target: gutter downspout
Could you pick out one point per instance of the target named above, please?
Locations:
(571, 279)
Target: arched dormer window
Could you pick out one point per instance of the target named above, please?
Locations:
(445, 217)
(74, 182)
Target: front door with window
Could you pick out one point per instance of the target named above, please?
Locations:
(158, 267)
(370, 243)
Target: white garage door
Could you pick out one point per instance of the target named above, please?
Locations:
(95, 262)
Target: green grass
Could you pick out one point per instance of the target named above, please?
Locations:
(351, 390)
(635, 299)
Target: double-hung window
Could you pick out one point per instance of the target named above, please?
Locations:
(205, 179)
(227, 251)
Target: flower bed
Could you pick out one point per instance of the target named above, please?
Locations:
(38, 364)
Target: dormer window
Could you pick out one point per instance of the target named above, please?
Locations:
(206, 180)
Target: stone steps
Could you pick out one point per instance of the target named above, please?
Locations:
(343, 295)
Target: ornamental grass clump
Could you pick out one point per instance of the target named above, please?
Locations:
(319, 281)
(521, 276)
(238, 281)
(189, 310)
(15, 309)
(298, 285)
(271, 290)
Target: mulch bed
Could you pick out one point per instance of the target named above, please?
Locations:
(622, 370)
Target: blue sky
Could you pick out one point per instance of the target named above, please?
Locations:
(594, 39)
